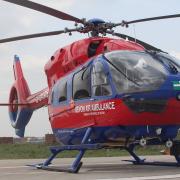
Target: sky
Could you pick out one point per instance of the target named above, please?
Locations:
(34, 53)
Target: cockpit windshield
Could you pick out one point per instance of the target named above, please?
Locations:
(135, 71)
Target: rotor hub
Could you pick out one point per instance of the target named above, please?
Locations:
(97, 26)
(96, 21)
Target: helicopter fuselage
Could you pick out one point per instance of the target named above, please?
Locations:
(102, 92)
(113, 115)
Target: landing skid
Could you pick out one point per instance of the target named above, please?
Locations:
(76, 165)
(83, 147)
(155, 163)
(175, 151)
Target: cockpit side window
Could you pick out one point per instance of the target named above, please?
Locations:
(59, 92)
(100, 85)
(81, 84)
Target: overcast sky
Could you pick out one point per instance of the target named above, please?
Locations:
(35, 53)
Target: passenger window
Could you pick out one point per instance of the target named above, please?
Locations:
(62, 91)
(81, 84)
(100, 83)
(59, 92)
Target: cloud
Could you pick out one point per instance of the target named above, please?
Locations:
(22, 20)
(26, 21)
(58, 4)
(30, 62)
(4, 47)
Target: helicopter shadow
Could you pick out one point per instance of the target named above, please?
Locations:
(128, 169)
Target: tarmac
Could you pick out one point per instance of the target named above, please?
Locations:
(111, 168)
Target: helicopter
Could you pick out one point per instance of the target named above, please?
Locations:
(101, 90)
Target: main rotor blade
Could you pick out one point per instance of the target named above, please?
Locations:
(145, 45)
(45, 9)
(149, 19)
(30, 36)
(11, 104)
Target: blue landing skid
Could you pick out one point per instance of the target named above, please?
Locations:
(175, 151)
(155, 163)
(76, 165)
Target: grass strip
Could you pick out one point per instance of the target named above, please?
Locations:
(36, 151)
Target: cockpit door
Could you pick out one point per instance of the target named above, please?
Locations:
(102, 94)
(100, 83)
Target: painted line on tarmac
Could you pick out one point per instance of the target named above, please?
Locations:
(13, 167)
(27, 173)
(65, 164)
(147, 178)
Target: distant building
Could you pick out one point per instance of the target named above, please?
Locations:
(19, 140)
(35, 140)
(31, 140)
(50, 139)
(6, 140)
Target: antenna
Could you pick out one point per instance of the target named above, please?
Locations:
(134, 29)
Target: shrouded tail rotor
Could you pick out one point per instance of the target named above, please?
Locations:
(21, 102)
(19, 112)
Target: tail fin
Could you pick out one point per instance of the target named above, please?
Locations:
(19, 115)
